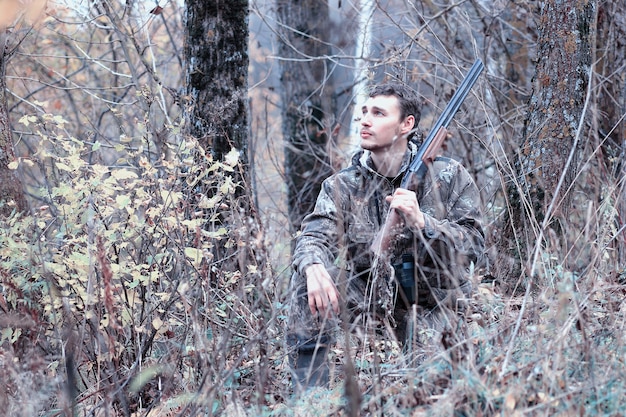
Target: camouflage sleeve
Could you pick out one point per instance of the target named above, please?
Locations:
(461, 230)
(317, 241)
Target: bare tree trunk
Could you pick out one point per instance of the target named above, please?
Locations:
(308, 105)
(551, 132)
(611, 108)
(11, 192)
(216, 53)
(216, 113)
(559, 91)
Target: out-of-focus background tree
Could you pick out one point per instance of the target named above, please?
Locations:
(156, 159)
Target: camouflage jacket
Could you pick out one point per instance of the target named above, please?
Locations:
(351, 209)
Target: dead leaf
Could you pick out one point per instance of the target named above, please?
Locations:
(509, 402)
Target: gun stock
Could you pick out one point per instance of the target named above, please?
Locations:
(433, 149)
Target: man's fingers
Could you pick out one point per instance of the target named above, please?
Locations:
(312, 305)
(317, 304)
(334, 300)
(322, 292)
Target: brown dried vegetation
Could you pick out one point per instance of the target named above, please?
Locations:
(114, 297)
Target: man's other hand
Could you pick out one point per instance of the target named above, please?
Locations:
(321, 290)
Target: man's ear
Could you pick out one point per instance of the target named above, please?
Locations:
(408, 124)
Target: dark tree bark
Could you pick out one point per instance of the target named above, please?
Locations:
(216, 59)
(308, 104)
(611, 108)
(216, 113)
(11, 191)
(566, 33)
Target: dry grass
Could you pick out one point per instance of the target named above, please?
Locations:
(136, 316)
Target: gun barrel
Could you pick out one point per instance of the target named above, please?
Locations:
(460, 94)
(445, 118)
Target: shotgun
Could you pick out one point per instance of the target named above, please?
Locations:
(430, 147)
(428, 151)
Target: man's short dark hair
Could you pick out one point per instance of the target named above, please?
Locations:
(408, 100)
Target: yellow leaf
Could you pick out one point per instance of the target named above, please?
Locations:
(209, 203)
(170, 196)
(124, 174)
(16, 335)
(75, 161)
(218, 234)
(157, 323)
(195, 255)
(6, 334)
(63, 167)
(122, 201)
(59, 120)
(227, 186)
(510, 401)
(145, 376)
(126, 317)
(192, 224)
(231, 157)
(27, 120)
(99, 170)
(14, 164)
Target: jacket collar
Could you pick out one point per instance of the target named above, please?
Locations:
(363, 159)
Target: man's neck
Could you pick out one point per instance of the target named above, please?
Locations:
(389, 162)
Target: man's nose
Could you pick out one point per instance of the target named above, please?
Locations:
(365, 120)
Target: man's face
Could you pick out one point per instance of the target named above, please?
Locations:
(381, 126)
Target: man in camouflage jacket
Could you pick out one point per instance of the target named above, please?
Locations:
(437, 237)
